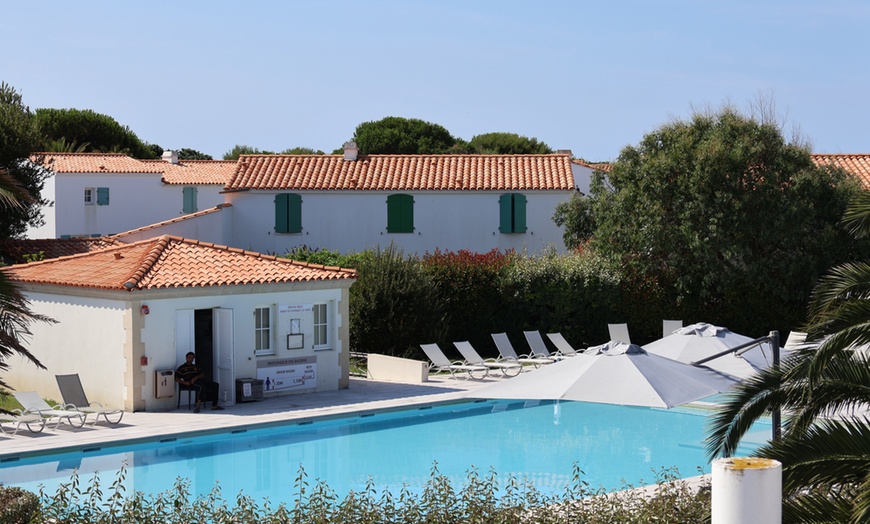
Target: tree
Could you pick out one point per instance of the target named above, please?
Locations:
(825, 460)
(402, 136)
(101, 132)
(576, 217)
(18, 140)
(301, 151)
(192, 154)
(507, 144)
(239, 150)
(730, 221)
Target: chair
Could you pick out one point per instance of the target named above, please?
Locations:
(191, 392)
(562, 345)
(74, 398)
(795, 340)
(33, 404)
(440, 362)
(30, 421)
(507, 352)
(471, 356)
(538, 346)
(619, 333)
(669, 326)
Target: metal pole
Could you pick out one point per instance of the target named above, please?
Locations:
(776, 414)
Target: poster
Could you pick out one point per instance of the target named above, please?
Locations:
(284, 374)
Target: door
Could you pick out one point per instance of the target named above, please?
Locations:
(224, 353)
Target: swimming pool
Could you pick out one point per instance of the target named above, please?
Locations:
(538, 441)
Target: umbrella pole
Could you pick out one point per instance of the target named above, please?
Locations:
(775, 416)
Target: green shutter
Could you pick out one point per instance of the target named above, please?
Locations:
(189, 200)
(282, 205)
(519, 213)
(102, 196)
(400, 214)
(505, 215)
(294, 213)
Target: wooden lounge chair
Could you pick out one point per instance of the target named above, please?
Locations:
(471, 356)
(440, 362)
(74, 398)
(33, 404)
(33, 423)
(562, 346)
(507, 351)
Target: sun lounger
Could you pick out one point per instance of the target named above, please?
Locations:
(33, 404)
(440, 362)
(538, 346)
(507, 351)
(74, 398)
(562, 345)
(34, 423)
(510, 368)
(669, 326)
(619, 333)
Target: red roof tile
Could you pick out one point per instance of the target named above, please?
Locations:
(12, 251)
(170, 262)
(858, 165)
(185, 172)
(404, 172)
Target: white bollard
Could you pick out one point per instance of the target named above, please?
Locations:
(747, 489)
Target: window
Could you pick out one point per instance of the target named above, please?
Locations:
(263, 331)
(189, 200)
(288, 213)
(102, 196)
(400, 214)
(321, 326)
(512, 213)
(89, 196)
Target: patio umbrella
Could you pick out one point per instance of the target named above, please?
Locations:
(698, 341)
(615, 373)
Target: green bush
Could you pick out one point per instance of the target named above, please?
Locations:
(483, 499)
(324, 257)
(17, 505)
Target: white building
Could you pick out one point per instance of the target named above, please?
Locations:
(127, 314)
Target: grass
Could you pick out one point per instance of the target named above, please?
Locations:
(8, 402)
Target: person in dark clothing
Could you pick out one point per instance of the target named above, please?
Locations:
(190, 375)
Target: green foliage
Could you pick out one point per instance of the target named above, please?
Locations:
(192, 154)
(100, 132)
(733, 223)
(324, 257)
(17, 506)
(507, 144)
(482, 499)
(576, 217)
(301, 151)
(402, 136)
(239, 150)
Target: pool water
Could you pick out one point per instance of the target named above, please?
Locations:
(538, 441)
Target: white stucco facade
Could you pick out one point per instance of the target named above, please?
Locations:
(104, 336)
(353, 221)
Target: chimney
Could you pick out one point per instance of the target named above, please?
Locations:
(170, 156)
(564, 152)
(350, 151)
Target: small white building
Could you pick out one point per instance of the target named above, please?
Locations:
(97, 194)
(127, 314)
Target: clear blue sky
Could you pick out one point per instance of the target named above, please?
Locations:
(587, 76)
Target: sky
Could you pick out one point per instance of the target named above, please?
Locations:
(592, 77)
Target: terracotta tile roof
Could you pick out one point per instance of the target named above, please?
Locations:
(600, 166)
(170, 262)
(12, 251)
(404, 172)
(182, 218)
(858, 165)
(185, 172)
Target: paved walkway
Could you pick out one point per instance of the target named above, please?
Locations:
(362, 396)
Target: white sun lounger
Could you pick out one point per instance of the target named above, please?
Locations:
(562, 345)
(619, 333)
(74, 398)
(507, 351)
(34, 423)
(33, 404)
(440, 362)
(510, 368)
(538, 346)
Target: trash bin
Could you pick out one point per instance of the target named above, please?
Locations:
(249, 389)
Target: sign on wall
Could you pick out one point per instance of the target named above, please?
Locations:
(295, 308)
(285, 374)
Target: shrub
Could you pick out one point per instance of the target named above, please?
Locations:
(17, 505)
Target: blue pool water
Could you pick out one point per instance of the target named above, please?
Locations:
(538, 441)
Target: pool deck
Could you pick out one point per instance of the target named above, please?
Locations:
(363, 395)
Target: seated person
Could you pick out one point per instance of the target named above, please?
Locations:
(191, 376)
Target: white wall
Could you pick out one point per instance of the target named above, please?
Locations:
(48, 214)
(356, 220)
(88, 339)
(211, 227)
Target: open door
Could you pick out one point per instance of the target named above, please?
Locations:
(224, 353)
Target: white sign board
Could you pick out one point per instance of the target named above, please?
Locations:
(284, 374)
(295, 308)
